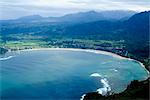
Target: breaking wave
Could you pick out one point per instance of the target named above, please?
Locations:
(106, 87)
(96, 75)
(6, 58)
(82, 97)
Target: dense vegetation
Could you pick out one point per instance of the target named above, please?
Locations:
(126, 37)
(136, 90)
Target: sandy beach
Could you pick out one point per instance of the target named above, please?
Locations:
(84, 50)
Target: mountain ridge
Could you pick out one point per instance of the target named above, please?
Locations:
(80, 17)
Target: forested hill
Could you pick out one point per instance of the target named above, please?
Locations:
(134, 31)
(138, 24)
(137, 33)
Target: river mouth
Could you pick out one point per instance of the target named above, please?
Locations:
(65, 73)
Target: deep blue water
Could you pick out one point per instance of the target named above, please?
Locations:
(63, 74)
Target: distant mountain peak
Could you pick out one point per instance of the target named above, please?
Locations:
(92, 11)
(80, 17)
(30, 17)
(88, 12)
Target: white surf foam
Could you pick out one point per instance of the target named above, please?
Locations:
(6, 58)
(82, 97)
(115, 70)
(95, 75)
(106, 87)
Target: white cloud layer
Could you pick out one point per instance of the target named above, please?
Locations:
(17, 8)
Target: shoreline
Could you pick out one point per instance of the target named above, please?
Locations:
(78, 49)
(92, 51)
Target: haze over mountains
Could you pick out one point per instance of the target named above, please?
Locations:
(133, 29)
(80, 17)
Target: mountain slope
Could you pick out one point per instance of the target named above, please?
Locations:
(134, 31)
(81, 17)
(30, 18)
(137, 33)
(137, 25)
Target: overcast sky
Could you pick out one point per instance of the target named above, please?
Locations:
(16, 8)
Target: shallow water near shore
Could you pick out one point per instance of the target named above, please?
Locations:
(65, 74)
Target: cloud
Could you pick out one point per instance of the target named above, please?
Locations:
(17, 8)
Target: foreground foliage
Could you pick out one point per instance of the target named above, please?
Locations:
(136, 90)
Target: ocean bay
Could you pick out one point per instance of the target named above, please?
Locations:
(65, 73)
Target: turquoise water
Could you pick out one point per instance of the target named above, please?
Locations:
(60, 74)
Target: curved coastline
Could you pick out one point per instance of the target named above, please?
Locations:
(91, 51)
